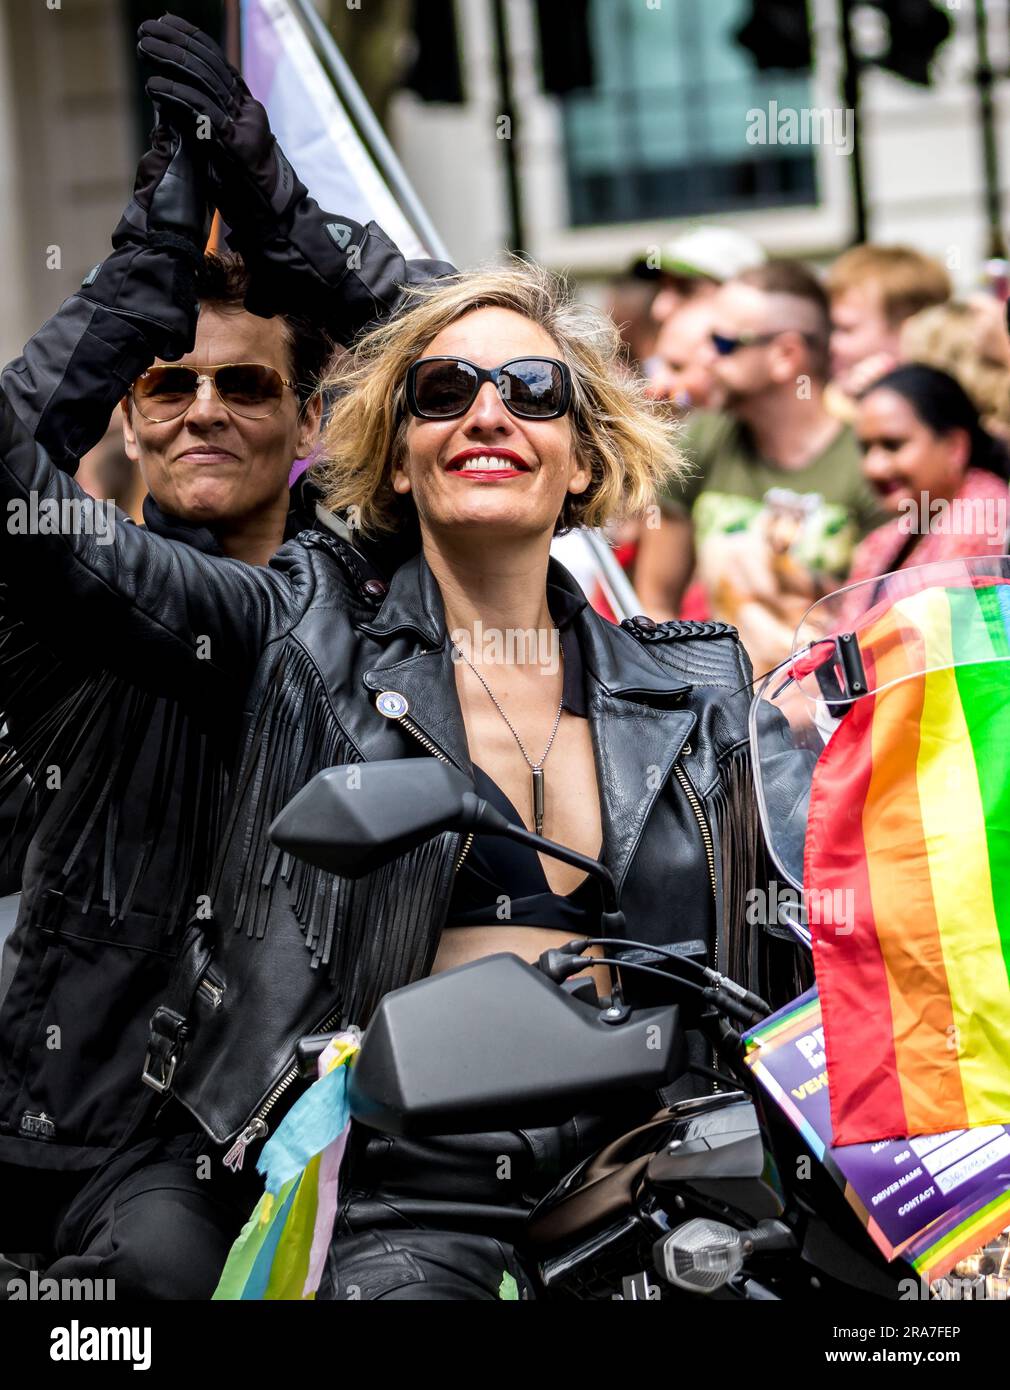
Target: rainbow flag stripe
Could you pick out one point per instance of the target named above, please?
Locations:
(937, 1250)
(910, 811)
(281, 1250)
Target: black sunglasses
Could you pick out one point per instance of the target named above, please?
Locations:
(532, 388)
(726, 346)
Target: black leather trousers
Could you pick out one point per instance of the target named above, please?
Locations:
(442, 1218)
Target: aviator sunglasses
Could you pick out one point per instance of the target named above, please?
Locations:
(532, 388)
(249, 389)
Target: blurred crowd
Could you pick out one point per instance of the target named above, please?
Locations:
(836, 426)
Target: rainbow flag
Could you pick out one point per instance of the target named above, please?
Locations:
(281, 1250)
(910, 813)
(928, 1201)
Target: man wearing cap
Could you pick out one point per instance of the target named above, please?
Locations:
(696, 263)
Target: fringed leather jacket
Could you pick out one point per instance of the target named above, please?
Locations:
(122, 822)
(112, 868)
(289, 661)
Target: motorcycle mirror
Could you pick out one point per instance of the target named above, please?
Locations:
(352, 819)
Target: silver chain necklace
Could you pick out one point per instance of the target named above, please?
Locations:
(536, 768)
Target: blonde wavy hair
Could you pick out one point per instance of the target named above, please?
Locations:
(627, 441)
(948, 336)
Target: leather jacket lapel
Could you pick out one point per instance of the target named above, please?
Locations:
(427, 678)
(639, 727)
(635, 705)
(636, 747)
(428, 684)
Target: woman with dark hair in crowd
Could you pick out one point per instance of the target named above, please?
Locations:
(939, 474)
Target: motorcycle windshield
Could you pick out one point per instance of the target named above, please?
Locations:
(863, 643)
(910, 622)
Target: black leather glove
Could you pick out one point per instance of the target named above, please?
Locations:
(137, 304)
(301, 259)
(158, 246)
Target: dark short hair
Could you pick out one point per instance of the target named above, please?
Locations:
(799, 281)
(941, 403)
(223, 279)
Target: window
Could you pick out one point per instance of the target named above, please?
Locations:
(664, 131)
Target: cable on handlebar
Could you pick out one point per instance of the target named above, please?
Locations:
(745, 996)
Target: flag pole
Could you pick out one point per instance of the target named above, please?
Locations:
(621, 596)
(233, 33)
(372, 133)
(233, 52)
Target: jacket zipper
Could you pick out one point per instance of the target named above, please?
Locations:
(706, 838)
(257, 1128)
(214, 993)
(706, 835)
(436, 752)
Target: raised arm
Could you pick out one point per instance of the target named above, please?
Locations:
(301, 258)
(137, 304)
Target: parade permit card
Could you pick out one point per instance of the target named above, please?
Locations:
(932, 1199)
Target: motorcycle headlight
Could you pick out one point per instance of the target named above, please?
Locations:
(699, 1256)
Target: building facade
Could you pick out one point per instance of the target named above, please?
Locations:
(672, 135)
(678, 129)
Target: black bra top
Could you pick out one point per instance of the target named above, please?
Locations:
(499, 876)
(495, 870)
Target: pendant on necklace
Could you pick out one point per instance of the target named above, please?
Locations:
(538, 799)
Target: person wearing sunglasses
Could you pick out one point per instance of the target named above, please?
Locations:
(487, 416)
(484, 419)
(776, 501)
(216, 441)
(216, 363)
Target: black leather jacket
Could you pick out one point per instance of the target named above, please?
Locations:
(119, 850)
(109, 880)
(293, 656)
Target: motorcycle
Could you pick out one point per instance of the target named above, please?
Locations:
(719, 1194)
(697, 1200)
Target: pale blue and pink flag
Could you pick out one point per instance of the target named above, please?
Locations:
(283, 71)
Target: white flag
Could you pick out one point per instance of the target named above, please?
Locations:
(282, 71)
